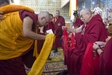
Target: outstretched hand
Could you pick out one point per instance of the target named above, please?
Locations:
(79, 29)
(64, 27)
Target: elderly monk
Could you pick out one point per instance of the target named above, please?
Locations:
(59, 21)
(17, 31)
(93, 30)
(105, 54)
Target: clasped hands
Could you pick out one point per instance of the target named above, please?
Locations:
(98, 44)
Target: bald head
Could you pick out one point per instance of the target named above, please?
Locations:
(45, 14)
(43, 18)
(86, 10)
(85, 15)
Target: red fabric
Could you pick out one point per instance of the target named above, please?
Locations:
(65, 44)
(12, 67)
(105, 59)
(90, 64)
(94, 31)
(78, 23)
(33, 16)
(51, 26)
(68, 45)
(58, 31)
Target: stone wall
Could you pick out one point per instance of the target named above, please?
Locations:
(47, 5)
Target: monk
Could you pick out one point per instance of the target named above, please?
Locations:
(59, 21)
(105, 67)
(18, 35)
(77, 20)
(28, 58)
(49, 26)
(92, 30)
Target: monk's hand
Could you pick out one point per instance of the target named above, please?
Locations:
(79, 29)
(100, 43)
(64, 27)
(95, 46)
(1, 16)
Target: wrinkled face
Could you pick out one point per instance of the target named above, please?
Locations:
(57, 14)
(43, 21)
(84, 16)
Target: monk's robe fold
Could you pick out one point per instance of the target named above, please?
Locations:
(39, 63)
(13, 8)
(90, 64)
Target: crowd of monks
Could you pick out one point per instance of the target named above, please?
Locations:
(87, 47)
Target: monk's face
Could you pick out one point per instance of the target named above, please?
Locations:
(57, 14)
(43, 21)
(85, 16)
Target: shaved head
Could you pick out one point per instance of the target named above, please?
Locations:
(85, 15)
(86, 10)
(45, 14)
(43, 18)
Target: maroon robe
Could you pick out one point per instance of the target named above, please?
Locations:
(50, 26)
(78, 23)
(94, 31)
(106, 59)
(58, 31)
